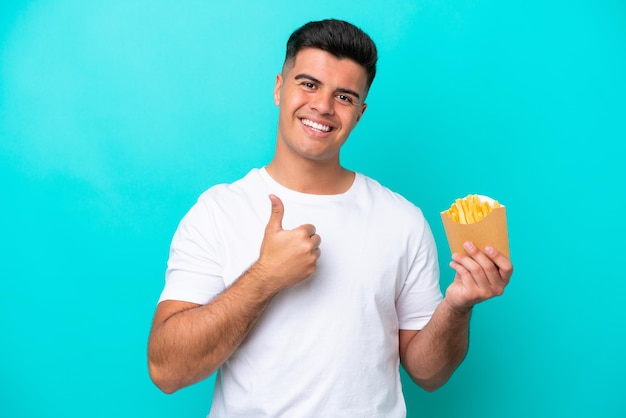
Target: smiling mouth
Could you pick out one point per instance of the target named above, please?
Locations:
(317, 126)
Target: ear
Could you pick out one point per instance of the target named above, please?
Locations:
(358, 117)
(277, 88)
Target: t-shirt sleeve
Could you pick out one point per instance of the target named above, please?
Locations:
(194, 270)
(421, 292)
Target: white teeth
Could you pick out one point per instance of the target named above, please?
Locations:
(316, 125)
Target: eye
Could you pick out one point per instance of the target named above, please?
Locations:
(345, 98)
(308, 85)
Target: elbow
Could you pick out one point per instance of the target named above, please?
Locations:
(430, 384)
(162, 380)
(430, 379)
(169, 379)
(433, 378)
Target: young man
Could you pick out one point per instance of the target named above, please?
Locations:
(307, 301)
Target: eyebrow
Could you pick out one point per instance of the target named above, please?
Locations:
(315, 80)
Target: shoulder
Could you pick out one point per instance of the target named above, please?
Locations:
(399, 218)
(239, 188)
(230, 196)
(390, 200)
(228, 199)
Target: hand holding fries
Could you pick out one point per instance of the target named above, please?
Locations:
(477, 234)
(480, 275)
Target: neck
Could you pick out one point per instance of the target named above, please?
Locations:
(315, 177)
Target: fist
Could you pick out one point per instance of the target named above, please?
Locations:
(287, 257)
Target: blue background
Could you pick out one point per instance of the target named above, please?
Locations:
(115, 115)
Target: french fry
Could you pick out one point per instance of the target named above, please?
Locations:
(470, 209)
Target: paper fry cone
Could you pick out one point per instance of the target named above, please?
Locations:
(491, 230)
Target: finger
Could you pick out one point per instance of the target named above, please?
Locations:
(501, 261)
(484, 262)
(458, 267)
(469, 271)
(483, 269)
(309, 229)
(317, 240)
(276, 216)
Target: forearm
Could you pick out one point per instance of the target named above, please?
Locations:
(192, 344)
(188, 342)
(433, 354)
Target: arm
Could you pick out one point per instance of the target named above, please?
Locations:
(431, 355)
(188, 342)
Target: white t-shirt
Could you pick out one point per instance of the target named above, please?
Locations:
(327, 347)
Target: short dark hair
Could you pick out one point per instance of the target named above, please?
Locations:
(339, 38)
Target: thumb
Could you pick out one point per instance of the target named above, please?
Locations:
(278, 210)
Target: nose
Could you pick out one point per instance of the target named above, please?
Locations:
(323, 103)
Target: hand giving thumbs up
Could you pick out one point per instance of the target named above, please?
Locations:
(287, 257)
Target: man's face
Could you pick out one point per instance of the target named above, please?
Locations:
(321, 99)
